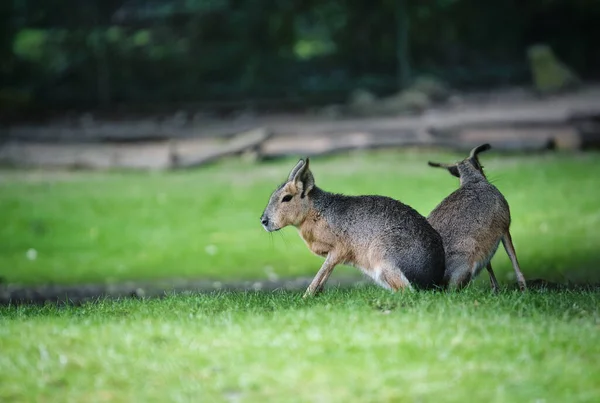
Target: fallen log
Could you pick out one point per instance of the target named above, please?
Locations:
(86, 156)
(320, 144)
(155, 155)
(194, 152)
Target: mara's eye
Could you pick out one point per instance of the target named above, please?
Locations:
(286, 198)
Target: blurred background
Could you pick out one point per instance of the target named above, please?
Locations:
(140, 140)
(274, 54)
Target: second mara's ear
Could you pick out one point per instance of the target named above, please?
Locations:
(479, 149)
(453, 169)
(304, 179)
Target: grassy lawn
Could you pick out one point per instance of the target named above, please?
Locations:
(361, 345)
(68, 227)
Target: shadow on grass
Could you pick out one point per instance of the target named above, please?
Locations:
(79, 294)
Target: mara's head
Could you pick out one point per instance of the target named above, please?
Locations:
(289, 204)
(467, 166)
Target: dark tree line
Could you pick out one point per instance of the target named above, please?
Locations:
(107, 52)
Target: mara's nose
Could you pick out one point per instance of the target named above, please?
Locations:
(264, 220)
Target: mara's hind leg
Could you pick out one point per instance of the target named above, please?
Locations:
(510, 250)
(392, 278)
(493, 281)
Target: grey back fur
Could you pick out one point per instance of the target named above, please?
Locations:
(472, 222)
(388, 240)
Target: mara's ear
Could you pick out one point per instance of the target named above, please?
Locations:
(303, 179)
(453, 169)
(479, 149)
(295, 170)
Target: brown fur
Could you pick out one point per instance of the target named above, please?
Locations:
(472, 221)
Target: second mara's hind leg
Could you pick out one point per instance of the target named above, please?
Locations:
(459, 279)
(510, 250)
(493, 281)
(458, 271)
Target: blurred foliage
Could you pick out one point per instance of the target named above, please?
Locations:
(549, 74)
(68, 52)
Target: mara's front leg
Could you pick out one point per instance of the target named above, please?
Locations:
(322, 275)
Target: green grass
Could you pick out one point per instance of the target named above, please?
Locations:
(94, 227)
(361, 345)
